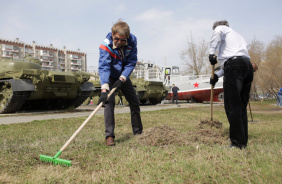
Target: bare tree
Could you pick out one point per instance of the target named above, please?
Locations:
(268, 78)
(273, 66)
(256, 52)
(195, 58)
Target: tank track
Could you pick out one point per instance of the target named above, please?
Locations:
(163, 97)
(56, 104)
(80, 98)
(16, 101)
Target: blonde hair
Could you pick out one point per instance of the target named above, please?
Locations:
(121, 28)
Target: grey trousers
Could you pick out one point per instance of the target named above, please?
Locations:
(109, 111)
(175, 97)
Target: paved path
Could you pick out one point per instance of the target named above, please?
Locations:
(81, 112)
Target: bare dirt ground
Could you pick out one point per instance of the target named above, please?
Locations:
(165, 135)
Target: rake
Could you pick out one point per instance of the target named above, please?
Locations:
(57, 161)
(252, 115)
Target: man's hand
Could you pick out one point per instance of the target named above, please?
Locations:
(212, 59)
(214, 80)
(103, 98)
(255, 67)
(118, 84)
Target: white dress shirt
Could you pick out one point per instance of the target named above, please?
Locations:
(229, 44)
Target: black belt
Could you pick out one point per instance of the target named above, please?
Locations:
(233, 58)
(237, 57)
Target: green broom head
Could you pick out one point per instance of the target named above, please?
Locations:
(55, 160)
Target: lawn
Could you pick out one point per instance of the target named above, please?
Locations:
(176, 147)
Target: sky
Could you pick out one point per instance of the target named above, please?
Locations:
(162, 27)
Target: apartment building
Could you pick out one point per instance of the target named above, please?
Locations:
(51, 58)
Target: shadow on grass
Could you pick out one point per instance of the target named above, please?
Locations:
(125, 138)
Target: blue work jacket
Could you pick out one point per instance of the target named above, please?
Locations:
(112, 64)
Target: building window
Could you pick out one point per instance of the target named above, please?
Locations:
(10, 47)
(7, 53)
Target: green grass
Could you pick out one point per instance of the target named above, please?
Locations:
(172, 149)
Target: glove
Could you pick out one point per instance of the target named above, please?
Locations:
(214, 80)
(103, 98)
(118, 84)
(213, 59)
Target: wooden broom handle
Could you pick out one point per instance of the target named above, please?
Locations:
(86, 121)
(211, 100)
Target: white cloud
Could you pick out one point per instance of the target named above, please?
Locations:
(120, 8)
(154, 15)
(162, 29)
(168, 35)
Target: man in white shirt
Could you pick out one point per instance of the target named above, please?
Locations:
(238, 71)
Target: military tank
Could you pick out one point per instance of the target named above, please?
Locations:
(24, 85)
(148, 92)
(95, 95)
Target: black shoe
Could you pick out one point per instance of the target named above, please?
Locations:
(138, 133)
(231, 146)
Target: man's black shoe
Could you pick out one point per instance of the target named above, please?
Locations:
(231, 146)
(138, 133)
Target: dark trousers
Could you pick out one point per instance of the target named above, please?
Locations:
(109, 114)
(238, 76)
(175, 97)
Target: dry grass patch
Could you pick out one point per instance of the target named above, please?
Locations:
(177, 146)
